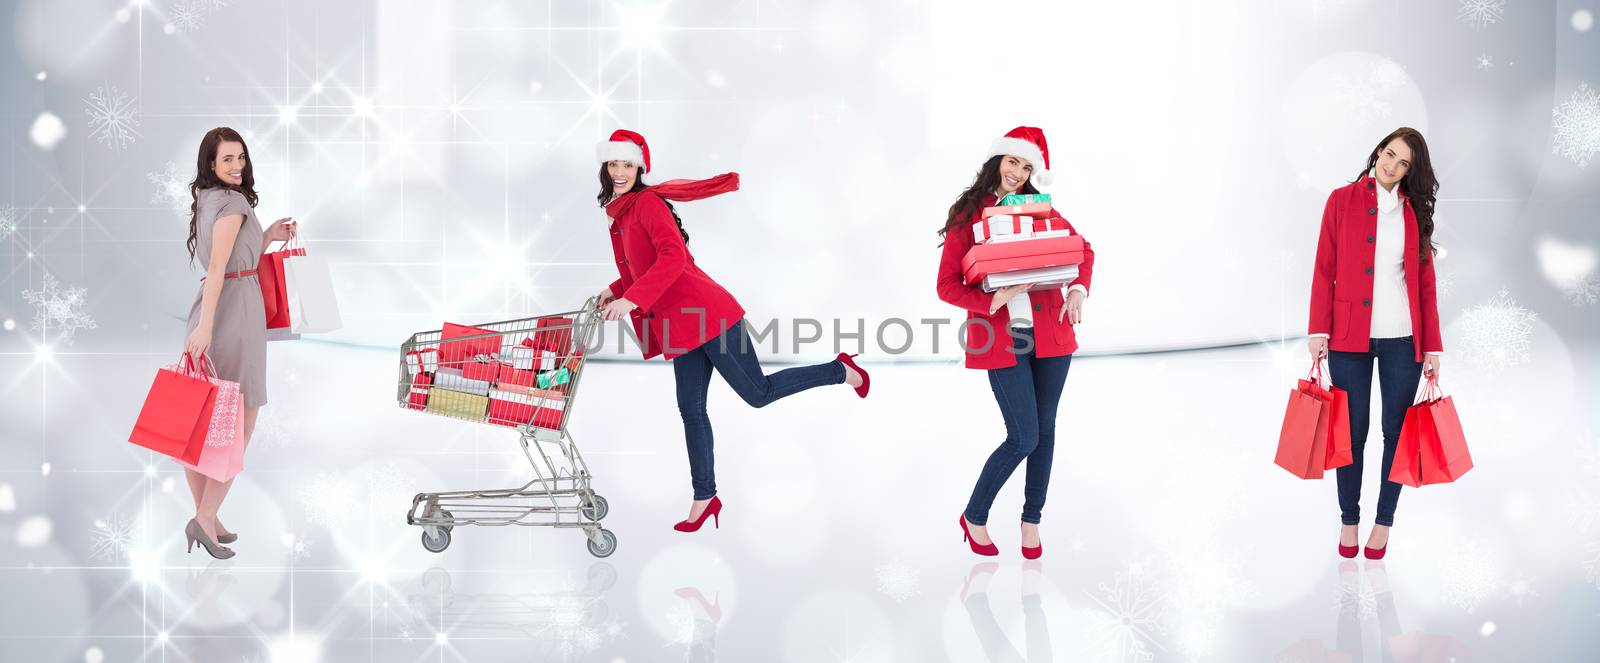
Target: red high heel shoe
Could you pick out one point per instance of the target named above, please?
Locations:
(987, 551)
(1033, 553)
(1348, 552)
(1372, 553)
(712, 509)
(866, 380)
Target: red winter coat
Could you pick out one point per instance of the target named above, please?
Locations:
(1341, 284)
(680, 307)
(1052, 338)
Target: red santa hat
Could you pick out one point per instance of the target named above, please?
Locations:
(624, 145)
(1028, 143)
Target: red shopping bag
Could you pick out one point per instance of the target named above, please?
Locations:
(1303, 440)
(1440, 440)
(270, 270)
(177, 413)
(1338, 432)
(1407, 467)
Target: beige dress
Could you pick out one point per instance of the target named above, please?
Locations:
(239, 333)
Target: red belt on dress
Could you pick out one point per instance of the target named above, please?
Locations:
(234, 275)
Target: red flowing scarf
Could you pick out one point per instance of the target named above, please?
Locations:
(677, 190)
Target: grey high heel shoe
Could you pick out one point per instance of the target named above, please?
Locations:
(230, 537)
(197, 535)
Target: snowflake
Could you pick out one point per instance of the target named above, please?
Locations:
(8, 222)
(298, 547)
(111, 537)
(897, 581)
(1521, 589)
(1485, 62)
(1131, 609)
(172, 189)
(1362, 601)
(328, 500)
(113, 118)
(1498, 333)
(1575, 126)
(59, 308)
(1367, 93)
(1469, 577)
(1583, 290)
(1582, 507)
(190, 15)
(1481, 13)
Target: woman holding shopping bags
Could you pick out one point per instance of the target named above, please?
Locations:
(1373, 301)
(680, 313)
(228, 320)
(1023, 339)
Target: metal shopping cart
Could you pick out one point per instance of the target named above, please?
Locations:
(519, 374)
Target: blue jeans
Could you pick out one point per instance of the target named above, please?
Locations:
(1028, 394)
(733, 355)
(1398, 373)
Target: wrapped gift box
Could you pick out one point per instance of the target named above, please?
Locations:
(997, 258)
(1007, 228)
(458, 404)
(457, 352)
(1038, 210)
(483, 368)
(424, 360)
(516, 388)
(510, 375)
(454, 379)
(1025, 199)
(418, 398)
(553, 334)
(554, 378)
(525, 357)
(1045, 278)
(509, 408)
(552, 404)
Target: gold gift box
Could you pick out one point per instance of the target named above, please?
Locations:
(457, 404)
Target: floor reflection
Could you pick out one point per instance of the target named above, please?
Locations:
(1366, 595)
(996, 645)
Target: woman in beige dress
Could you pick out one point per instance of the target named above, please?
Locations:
(228, 320)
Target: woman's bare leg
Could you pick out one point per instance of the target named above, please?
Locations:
(216, 491)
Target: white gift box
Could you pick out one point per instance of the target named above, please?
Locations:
(1043, 276)
(454, 380)
(547, 360)
(521, 357)
(1002, 227)
(425, 360)
(514, 397)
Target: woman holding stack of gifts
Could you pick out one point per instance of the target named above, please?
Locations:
(680, 313)
(1373, 301)
(227, 322)
(1008, 259)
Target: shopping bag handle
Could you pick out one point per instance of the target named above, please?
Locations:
(1429, 390)
(202, 368)
(1315, 374)
(288, 244)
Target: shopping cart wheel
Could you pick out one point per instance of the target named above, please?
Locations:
(435, 539)
(445, 515)
(597, 508)
(603, 545)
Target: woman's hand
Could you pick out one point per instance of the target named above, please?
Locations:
(1318, 346)
(617, 309)
(1004, 295)
(606, 296)
(1073, 311)
(1430, 366)
(282, 230)
(198, 343)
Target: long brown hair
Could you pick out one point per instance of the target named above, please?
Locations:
(983, 184)
(205, 177)
(1418, 183)
(638, 185)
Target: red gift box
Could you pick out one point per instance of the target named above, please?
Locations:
(552, 404)
(420, 384)
(456, 352)
(515, 376)
(1037, 210)
(508, 409)
(481, 368)
(985, 259)
(558, 341)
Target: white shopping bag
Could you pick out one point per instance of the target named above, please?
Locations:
(313, 308)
